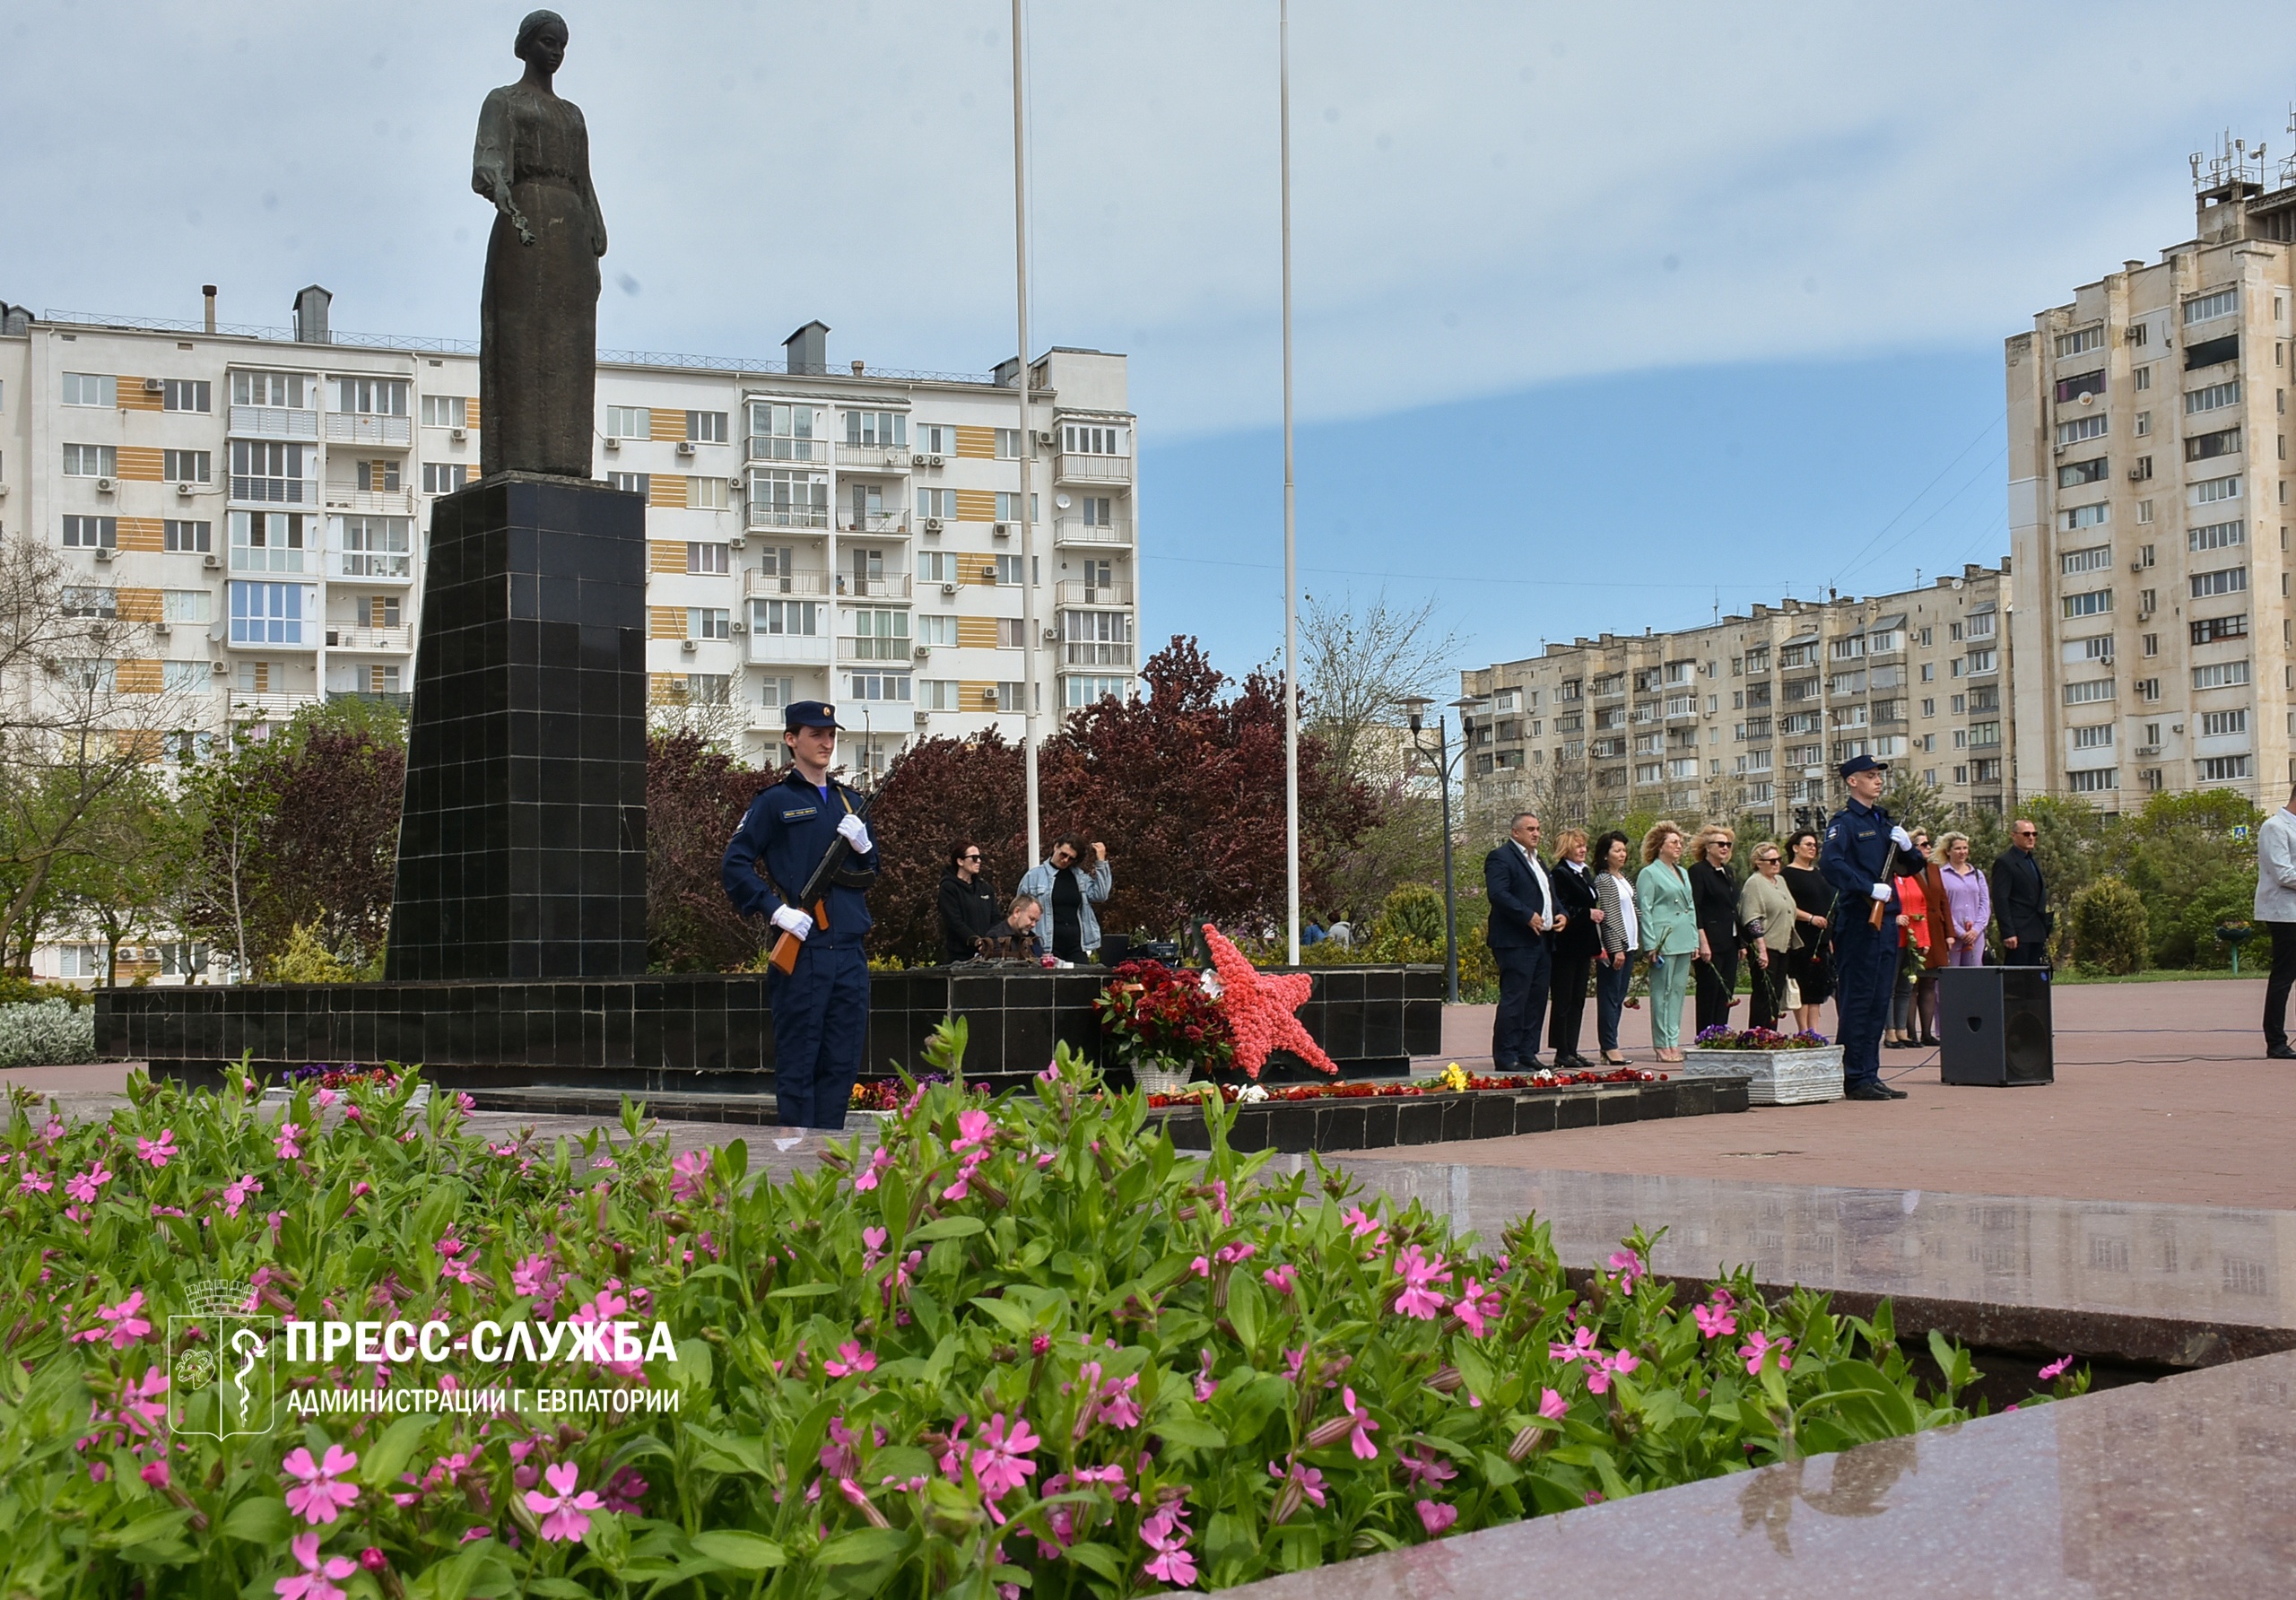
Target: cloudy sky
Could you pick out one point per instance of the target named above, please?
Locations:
(1605, 314)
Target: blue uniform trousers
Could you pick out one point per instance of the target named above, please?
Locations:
(821, 1024)
(1524, 973)
(1866, 973)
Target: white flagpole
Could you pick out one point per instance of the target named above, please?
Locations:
(1291, 542)
(1027, 452)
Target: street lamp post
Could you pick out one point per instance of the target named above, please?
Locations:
(1415, 708)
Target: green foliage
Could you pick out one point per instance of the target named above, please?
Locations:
(47, 1033)
(856, 1349)
(15, 989)
(2107, 928)
(304, 959)
(1411, 911)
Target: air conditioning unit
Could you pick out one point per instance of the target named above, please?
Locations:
(152, 385)
(1045, 436)
(988, 699)
(688, 646)
(4, 491)
(933, 461)
(988, 575)
(184, 490)
(917, 459)
(922, 651)
(162, 628)
(1052, 635)
(104, 485)
(106, 553)
(219, 669)
(211, 561)
(737, 543)
(1001, 530)
(458, 434)
(741, 627)
(948, 589)
(923, 718)
(932, 525)
(612, 443)
(686, 447)
(2136, 566)
(2137, 475)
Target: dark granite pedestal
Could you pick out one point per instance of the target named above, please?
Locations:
(522, 839)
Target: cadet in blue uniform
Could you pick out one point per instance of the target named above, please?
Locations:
(821, 1009)
(1857, 860)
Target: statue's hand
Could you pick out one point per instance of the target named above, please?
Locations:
(518, 220)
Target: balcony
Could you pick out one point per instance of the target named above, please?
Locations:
(775, 447)
(374, 566)
(892, 585)
(357, 427)
(788, 649)
(766, 513)
(273, 491)
(399, 639)
(1071, 591)
(869, 458)
(268, 707)
(274, 422)
(399, 700)
(769, 585)
(1094, 653)
(1091, 469)
(887, 524)
(892, 652)
(341, 497)
(1075, 531)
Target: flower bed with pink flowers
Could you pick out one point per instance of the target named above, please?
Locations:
(1024, 1344)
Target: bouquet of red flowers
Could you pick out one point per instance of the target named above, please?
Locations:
(1163, 1019)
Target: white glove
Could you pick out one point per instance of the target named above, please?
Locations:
(1881, 892)
(856, 832)
(792, 920)
(1901, 839)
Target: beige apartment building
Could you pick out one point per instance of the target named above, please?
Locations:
(2148, 511)
(259, 498)
(1749, 715)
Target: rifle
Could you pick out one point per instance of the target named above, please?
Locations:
(814, 897)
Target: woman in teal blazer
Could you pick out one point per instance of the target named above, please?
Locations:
(1669, 927)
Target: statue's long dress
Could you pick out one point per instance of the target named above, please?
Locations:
(538, 314)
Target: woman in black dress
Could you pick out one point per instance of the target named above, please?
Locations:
(1714, 894)
(968, 903)
(1809, 964)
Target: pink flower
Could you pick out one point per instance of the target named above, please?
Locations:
(840, 1458)
(1714, 1322)
(126, 1326)
(963, 1187)
(1358, 1434)
(373, 1560)
(1598, 1380)
(1628, 1266)
(1282, 1279)
(974, 1131)
(1421, 1467)
(874, 1239)
(317, 1496)
(158, 1152)
(1119, 1401)
(1310, 1480)
(1552, 1405)
(83, 1186)
(1580, 1348)
(1001, 1460)
(1475, 1309)
(532, 1275)
(236, 1195)
(1206, 1386)
(2055, 1368)
(33, 1182)
(850, 1359)
(156, 1474)
(1201, 1267)
(567, 1518)
(288, 1133)
(1165, 1533)
(1230, 1254)
(878, 1163)
(626, 1490)
(689, 1174)
(1762, 1346)
(1435, 1518)
(1360, 1222)
(315, 1582)
(1419, 1270)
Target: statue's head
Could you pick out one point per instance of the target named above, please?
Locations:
(541, 39)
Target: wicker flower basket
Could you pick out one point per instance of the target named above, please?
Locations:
(1157, 1079)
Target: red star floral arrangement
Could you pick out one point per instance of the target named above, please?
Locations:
(1259, 1007)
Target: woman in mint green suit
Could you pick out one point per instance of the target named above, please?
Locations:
(1669, 928)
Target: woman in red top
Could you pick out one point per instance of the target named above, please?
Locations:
(1914, 1010)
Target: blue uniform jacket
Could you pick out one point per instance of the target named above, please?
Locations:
(785, 833)
(1856, 856)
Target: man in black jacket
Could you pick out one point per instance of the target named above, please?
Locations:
(1524, 920)
(1581, 936)
(2021, 899)
(967, 904)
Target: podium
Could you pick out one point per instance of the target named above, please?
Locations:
(1995, 1024)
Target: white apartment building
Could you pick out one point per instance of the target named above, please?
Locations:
(2148, 511)
(261, 498)
(1749, 715)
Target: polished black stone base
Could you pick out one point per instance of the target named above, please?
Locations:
(522, 843)
(1369, 1124)
(696, 1033)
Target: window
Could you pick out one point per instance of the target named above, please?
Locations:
(709, 560)
(2091, 781)
(185, 466)
(187, 536)
(268, 388)
(1682, 705)
(936, 439)
(706, 427)
(2089, 602)
(2225, 580)
(90, 602)
(1883, 643)
(1008, 448)
(2075, 474)
(1010, 633)
(709, 622)
(178, 677)
(2087, 338)
(269, 472)
(638, 483)
(1845, 683)
(378, 476)
(1080, 691)
(1981, 625)
(2222, 674)
(1000, 569)
(2216, 535)
(1098, 510)
(2148, 689)
(271, 613)
(266, 541)
(634, 422)
(2208, 631)
(372, 396)
(879, 634)
(185, 393)
(2083, 738)
(2222, 769)
(2211, 353)
(1981, 661)
(2069, 390)
(781, 498)
(90, 461)
(375, 546)
(2098, 648)
(445, 477)
(92, 533)
(2206, 308)
(2216, 725)
(2215, 396)
(889, 429)
(446, 410)
(776, 692)
(708, 494)
(1986, 699)
(2080, 517)
(1930, 672)
(938, 694)
(708, 688)
(2096, 558)
(91, 388)
(935, 628)
(1096, 637)
(1013, 696)
(878, 686)
(2136, 333)
(799, 619)
(1087, 438)
(1849, 649)
(2207, 446)
(2079, 428)
(2151, 644)
(938, 504)
(2142, 379)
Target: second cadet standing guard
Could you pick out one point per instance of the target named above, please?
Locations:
(1857, 860)
(821, 1007)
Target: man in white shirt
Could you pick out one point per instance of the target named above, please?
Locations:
(2276, 907)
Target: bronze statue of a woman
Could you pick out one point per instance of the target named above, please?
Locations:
(538, 315)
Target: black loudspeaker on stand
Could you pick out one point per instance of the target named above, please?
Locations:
(1995, 1024)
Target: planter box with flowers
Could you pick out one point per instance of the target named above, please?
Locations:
(1787, 1069)
(333, 1083)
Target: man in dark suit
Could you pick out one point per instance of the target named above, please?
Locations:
(1524, 920)
(2021, 899)
(1578, 936)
